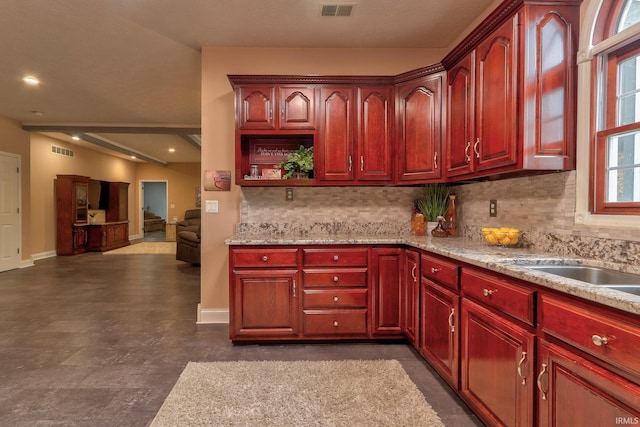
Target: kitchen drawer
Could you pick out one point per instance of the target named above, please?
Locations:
(516, 301)
(593, 331)
(439, 270)
(338, 298)
(335, 322)
(325, 277)
(264, 257)
(346, 257)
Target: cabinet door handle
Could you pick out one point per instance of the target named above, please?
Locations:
(489, 292)
(476, 148)
(361, 163)
(450, 320)
(350, 164)
(413, 272)
(539, 381)
(282, 115)
(294, 288)
(265, 258)
(466, 152)
(520, 363)
(434, 270)
(435, 160)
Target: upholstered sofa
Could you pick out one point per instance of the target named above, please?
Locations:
(153, 222)
(188, 237)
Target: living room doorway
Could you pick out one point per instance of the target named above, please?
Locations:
(153, 200)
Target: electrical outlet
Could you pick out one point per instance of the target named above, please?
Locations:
(493, 208)
(289, 194)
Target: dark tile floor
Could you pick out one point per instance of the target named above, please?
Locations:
(100, 340)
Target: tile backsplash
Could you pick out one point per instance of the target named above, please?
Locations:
(541, 206)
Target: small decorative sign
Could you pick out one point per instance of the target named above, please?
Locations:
(217, 180)
(272, 173)
(272, 152)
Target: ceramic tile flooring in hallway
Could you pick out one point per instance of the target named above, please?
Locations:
(95, 340)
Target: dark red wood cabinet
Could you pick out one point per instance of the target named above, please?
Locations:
(334, 150)
(419, 130)
(387, 299)
(268, 108)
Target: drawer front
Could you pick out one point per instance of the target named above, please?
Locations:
(516, 301)
(335, 322)
(336, 298)
(441, 271)
(334, 277)
(264, 257)
(614, 341)
(313, 257)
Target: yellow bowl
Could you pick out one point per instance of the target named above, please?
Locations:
(503, 236)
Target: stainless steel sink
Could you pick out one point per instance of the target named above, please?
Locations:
(612, 279)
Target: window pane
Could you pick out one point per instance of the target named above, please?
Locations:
(623, 168)
(630, 14)
(628, 91)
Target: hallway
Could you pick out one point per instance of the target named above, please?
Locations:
(94, 340)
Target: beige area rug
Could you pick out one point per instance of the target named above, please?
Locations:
(302, 393)
(145, 248)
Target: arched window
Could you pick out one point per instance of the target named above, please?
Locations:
(615, 155)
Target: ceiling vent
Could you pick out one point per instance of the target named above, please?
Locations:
(337, 9)
(62, 151)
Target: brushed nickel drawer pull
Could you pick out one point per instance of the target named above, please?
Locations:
(335, 299)
(413, 272)
(488, 292)
(599, 341)
(336, 257)
(539, 382)
(434, 270)
(335, 279)
(265, 258)
(335, 323)
(294, 288)
(467, 157)
(522, 360)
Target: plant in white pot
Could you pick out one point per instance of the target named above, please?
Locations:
(299, 163)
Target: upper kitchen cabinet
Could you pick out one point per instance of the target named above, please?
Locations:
(355, 134)
(275, 107)
(511, 96)
(419, 130)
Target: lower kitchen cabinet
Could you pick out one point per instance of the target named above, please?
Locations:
(265, 304)
(573, 391)
(497, 367)
(387, 302)
(439, 337)
(411, 295)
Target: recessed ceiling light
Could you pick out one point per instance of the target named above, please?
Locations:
(31, 80)
(37, 113)
(133, 157)
(75, 138)
(172, 150)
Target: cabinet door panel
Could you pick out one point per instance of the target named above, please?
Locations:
(256, 105)
(461, 118)
(297, 108)
(387, 299)
(420, 130)
(374, 134)
(492, 351)
(265, 304)
(439, 330)
(335, 148)
(573, 391)
(496, 99)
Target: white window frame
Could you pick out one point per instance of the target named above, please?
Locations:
(587, 53)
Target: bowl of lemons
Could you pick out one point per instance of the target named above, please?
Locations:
(503, 236)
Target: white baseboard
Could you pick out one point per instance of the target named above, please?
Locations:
(26, 263)
(43, 255)
(212, 315)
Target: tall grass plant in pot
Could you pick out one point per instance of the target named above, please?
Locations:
(433, 201)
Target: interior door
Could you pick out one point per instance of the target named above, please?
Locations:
(9, 212)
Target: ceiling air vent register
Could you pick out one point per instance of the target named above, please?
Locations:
(62, 151)
(337, 9)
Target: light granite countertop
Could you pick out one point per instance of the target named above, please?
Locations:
(512, 262)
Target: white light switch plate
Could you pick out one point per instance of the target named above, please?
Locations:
(211, 206)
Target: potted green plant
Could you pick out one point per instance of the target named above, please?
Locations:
(434, 201)
(298, 164)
